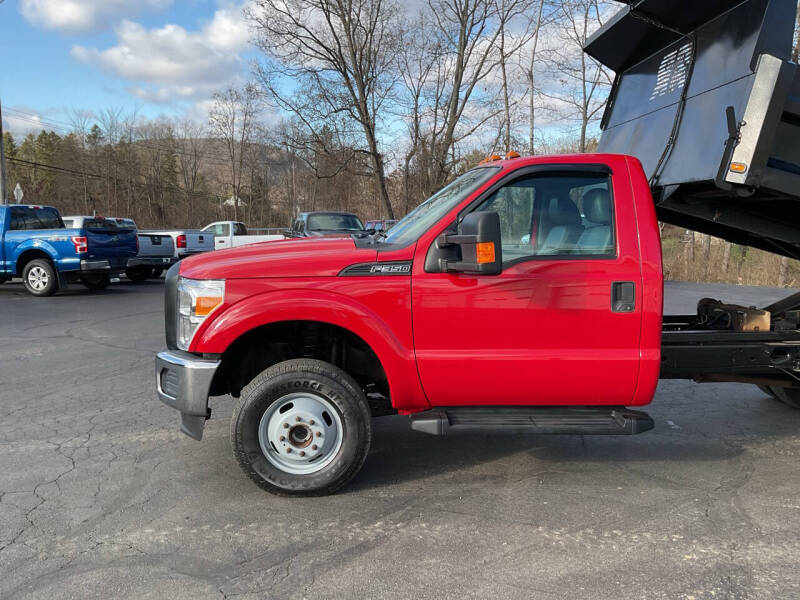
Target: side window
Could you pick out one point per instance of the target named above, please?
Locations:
(17, 218)
(564, 216)
(23, 218)
(239, 229)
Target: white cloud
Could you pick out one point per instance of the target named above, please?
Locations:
(170, 62)
(84, 15)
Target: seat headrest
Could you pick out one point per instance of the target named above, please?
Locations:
(562, 211)
(597, 206)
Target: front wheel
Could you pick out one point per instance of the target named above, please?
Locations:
(40, 278)
(301, 428)
(96, 282)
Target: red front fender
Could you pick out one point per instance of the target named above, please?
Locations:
(388, 337)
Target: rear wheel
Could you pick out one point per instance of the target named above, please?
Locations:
(96, 282)
(138, 274)
(301, 428)
(40, 278)
(769, 391)
(789, 396)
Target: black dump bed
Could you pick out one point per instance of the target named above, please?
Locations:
(706, 96)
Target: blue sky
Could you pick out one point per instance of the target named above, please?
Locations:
(153, 56)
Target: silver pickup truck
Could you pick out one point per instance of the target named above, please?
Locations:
(187, 241)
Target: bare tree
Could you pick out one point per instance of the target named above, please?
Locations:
(110, 121)
(517, 26)
(157, 144)
(467, 35)
(341, 54)
(530, 75)
(232, 119)
(581, 84)
(417, 58)
(193, 141)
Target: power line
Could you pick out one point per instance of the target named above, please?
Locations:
(65, 170)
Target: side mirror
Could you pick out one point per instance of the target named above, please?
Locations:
(480, 243)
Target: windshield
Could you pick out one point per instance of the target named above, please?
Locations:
(434, 208)
(334, 222)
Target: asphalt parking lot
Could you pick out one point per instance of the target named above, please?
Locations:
(102, 497)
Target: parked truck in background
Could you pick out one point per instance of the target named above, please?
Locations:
(232, 234)
(36, 245)
(156, 252)
(527, 295)
(315, 224)
(187, 242)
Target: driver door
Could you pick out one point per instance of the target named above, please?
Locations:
(544, 331)
(222, 236)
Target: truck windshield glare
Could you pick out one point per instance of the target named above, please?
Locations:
(434, 208)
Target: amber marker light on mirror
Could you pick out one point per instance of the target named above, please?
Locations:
(484, 252)
(738, 167)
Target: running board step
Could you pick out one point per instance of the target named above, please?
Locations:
(581, 420)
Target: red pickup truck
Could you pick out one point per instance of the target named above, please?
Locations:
(518, 277)
(526, 296)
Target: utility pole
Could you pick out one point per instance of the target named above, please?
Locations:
(3, 187)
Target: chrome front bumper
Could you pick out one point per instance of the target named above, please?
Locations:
(182, 382)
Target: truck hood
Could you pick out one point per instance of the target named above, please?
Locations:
(306, 257)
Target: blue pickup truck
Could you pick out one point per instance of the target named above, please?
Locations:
(36, 246)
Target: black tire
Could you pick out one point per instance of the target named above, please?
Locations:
(769, 391)
(789, 396)
(138, 274)
(312, 378)
(4, 278)
(96, 282)
(156, 273)
(40, 278)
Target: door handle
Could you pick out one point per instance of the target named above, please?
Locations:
(623, 296)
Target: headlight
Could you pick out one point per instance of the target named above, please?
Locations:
(197, 298)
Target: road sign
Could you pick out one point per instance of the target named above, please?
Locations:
(18, 194)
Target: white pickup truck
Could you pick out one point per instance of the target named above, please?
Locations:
(232, 234)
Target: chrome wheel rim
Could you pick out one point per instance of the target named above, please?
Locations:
(300, 433)
(38, 278)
